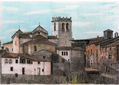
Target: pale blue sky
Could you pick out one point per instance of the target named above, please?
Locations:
(89, 19)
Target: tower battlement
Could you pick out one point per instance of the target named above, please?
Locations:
(54, 19)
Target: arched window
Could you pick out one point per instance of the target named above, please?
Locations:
(67, 27)
(35, 48)
(62, 27)
(54, 26)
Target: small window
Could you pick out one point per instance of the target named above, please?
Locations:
(11, 68)
(38, 62)
(67, 27)
(35, 48)
(54, 26)
(62, 53)
(63, 27)
(22, 60)
(10, 61)
(6, 60)
(44, 57)
(66, 53)
(16, 60)
(42, 70)
(29, 61)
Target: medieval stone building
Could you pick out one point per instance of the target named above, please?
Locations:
(102, 54)
(64, 59)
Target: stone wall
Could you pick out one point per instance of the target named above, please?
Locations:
(29, 79)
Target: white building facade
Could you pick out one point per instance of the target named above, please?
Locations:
(25, 66)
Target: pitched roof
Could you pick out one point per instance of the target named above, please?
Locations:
(64, 48)
(107, 41)
(40, 28)
(27, 56)
(39, 41)
(52, 37)
(25, 35)
(18, 31)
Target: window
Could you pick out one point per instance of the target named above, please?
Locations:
(54, 26)
(11, 68)
(109, 51)
(22, 60)
(63, 27)
(35, 48)
(43, 57)
(38, 62)
(6, 60)
(67, 27)
(42, 70)
(64, 53)
(16, 61)
(29, 61)
(10, 61)
(38, 32)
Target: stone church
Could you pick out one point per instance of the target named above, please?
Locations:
(56, 55)
(60, 40)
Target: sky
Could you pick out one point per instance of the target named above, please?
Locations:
(89, 19)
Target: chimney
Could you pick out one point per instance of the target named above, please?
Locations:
(108, 34)
(116, 34)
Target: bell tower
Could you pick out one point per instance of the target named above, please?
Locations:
(62, 29)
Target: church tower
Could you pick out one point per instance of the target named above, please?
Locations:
(62, 29)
